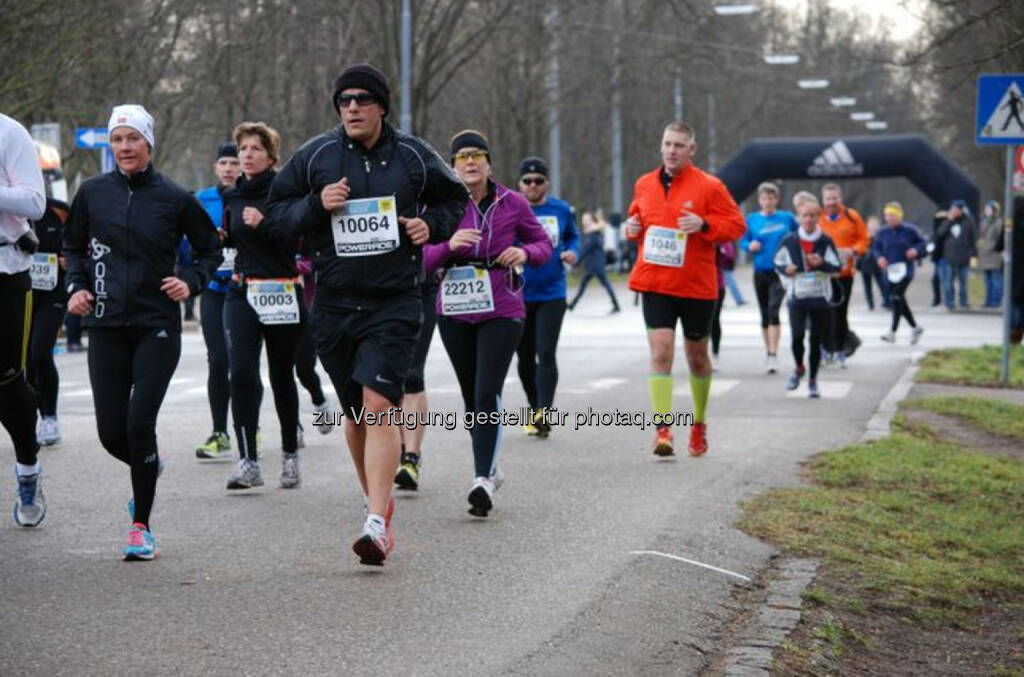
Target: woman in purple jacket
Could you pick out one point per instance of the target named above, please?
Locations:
(480, 303)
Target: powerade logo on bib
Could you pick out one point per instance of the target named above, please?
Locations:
(365, 227)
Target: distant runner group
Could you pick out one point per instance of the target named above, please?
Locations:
(363, 242)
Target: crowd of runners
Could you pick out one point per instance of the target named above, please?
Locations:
(363, 242)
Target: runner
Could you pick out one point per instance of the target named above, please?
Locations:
(849, 234)
(678, 214)
(121, 245)
(725, 258)
(262, 304)
(765, 230)
(592, 256)
(414, 400)
(367, 312)
(305, 353)
(544, 293)
(481, 300)
(809, 259)
(49, 303)
(211, 308)
(22, 197)
(896, 248)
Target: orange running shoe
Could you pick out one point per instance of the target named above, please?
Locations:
(664, 442)
(698, 439)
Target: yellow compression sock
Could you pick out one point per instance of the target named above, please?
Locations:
(700, 387)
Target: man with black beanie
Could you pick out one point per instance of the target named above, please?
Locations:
(367, 197)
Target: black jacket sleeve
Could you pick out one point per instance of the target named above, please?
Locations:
(292, 206)
(444, 195)
(195, 224)
(76, 244)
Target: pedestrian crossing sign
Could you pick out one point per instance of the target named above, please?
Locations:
(1000, 109)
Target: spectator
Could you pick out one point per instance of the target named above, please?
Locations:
(935, 250)
(960, 236)
(990, 260)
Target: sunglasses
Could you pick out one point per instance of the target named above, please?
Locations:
(361, 99)
(465, 156)
(539, 181)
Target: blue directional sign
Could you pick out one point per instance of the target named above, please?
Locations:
(1000, 111)
(91, 137)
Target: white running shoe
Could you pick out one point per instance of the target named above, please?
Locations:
(323, 409)
(714, 363)
(771, 364)
(889, 337)
(481, 497)
(48, 431)
(916, 336)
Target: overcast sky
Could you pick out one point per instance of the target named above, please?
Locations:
(904, 23)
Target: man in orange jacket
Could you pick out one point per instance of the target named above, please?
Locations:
(848, 231)
(677, 215)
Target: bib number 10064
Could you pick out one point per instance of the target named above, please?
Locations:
(365, 227)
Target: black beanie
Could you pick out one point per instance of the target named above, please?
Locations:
(533, 165)
(226, 149)
(364, 76)
(468, 138)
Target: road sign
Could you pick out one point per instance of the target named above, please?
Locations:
(1020, 158)
(999, 117)
(47, 132)
(91, 137)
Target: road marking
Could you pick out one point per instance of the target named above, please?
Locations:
(77, 393)
(830, 390)
(719, 386)
(693, 562)
(606, 383)
(180, 381)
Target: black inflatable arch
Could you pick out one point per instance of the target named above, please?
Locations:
(844, 158)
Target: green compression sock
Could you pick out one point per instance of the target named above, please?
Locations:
(700, 387)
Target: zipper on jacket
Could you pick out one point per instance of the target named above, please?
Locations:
(127, 253)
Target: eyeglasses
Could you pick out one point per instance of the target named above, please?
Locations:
(464, 156)
(539, 181)
(361, 99)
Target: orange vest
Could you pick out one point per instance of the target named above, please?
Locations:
(694, 191)
(848, 230)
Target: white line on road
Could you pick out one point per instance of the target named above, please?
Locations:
(719, 386)
(830, 390)
(693, 562)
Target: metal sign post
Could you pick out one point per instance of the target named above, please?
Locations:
(999, 119)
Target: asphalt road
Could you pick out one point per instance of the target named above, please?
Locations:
(266, 583)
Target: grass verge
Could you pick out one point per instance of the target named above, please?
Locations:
(972, 366)
(922, 533)
(993, 416)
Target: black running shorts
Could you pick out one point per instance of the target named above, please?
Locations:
(370, 344)
(662, 312)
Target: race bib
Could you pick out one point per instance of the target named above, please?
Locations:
(275, 301)
(811, 286)
(665, 246)
(44, 271)
(466, 289)
(365, 227)
(228, 264)
(550, 224)
(956, 230)
(896, 272)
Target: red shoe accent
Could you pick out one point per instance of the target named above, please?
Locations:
(698, 439)
(664, 442)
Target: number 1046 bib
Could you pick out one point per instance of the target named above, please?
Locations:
(275, 301)
(365, 227)
(664, 246)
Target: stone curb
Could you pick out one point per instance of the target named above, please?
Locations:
(773, 620)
